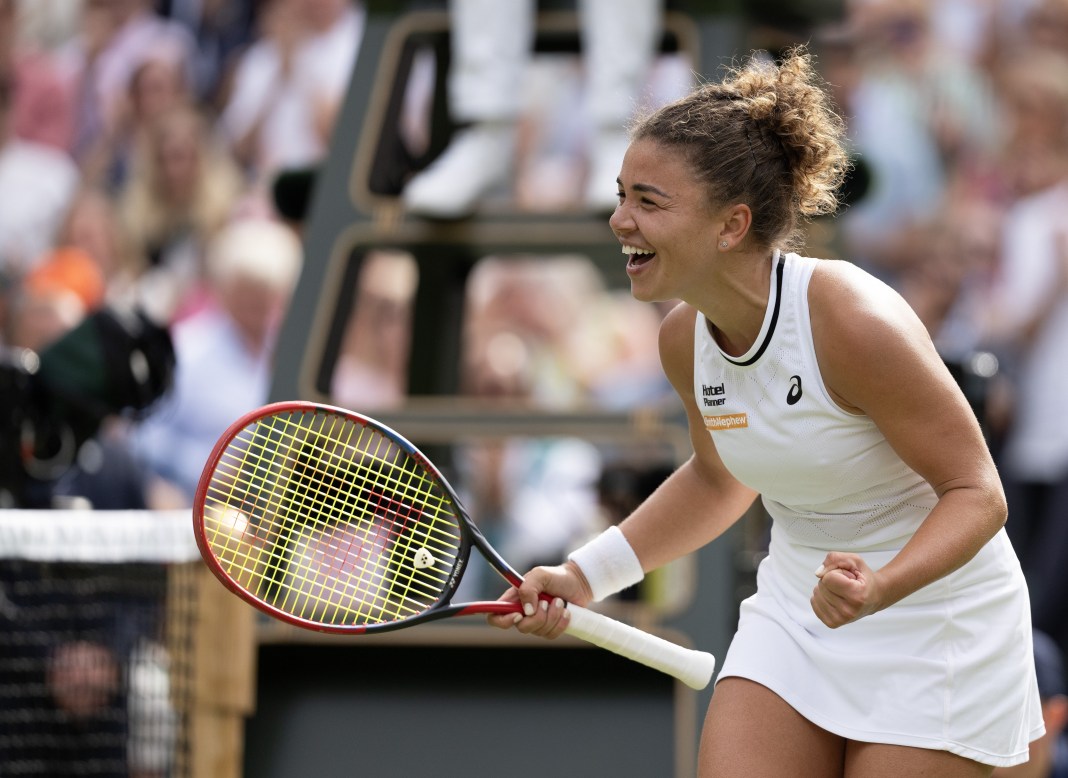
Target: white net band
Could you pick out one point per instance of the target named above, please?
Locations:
(98, 536)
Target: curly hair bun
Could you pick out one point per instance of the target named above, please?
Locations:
(767, 135)
(790, 101)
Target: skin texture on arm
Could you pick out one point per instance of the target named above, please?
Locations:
(695, 505)
(701, 499)
(877, 359)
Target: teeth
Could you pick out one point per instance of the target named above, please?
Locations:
(636, 250)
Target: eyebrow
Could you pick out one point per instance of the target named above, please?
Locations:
(646, 188)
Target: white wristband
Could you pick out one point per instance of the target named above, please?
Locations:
(608, 562)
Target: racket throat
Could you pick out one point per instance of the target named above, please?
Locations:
(455, 577)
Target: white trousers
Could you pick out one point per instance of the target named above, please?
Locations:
(492, 43)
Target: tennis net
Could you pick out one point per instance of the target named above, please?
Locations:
(99, 619)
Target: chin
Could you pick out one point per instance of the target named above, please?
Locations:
(647, 295)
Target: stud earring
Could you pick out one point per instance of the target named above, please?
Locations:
(723, 244)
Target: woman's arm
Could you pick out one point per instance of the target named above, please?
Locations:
(695, 505)
(878, 359)
(701, 499)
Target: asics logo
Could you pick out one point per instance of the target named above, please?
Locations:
(795, 390)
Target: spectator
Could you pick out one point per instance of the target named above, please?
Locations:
(116, 38)
(157, 86)
(224, 354)
(53, 298)
(1028, 319)
(1046, 24)
(221, 29)
(37, 183)
(1034, 98)
(183, 188)
(916, 117)
(372, 369)
(92, 226)
(289, 85)
(43, 107)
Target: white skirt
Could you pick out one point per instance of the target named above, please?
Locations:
(950, 667)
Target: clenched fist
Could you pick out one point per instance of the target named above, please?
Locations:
(847, 590)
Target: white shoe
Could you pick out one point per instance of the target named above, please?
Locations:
(606, 159)
(478, 159)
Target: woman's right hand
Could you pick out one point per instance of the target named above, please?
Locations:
(545, 616)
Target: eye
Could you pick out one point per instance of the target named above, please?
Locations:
(620, 195)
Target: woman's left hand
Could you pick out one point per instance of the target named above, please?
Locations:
(847, 590)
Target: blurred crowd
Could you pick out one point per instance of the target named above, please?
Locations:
(139, 143)
(140, 139)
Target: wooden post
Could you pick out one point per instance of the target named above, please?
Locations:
(223, 691)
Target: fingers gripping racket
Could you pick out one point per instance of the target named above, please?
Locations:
(330, 521)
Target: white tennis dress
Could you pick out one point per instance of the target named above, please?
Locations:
(950, 667)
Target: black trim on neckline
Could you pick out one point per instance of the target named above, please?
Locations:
(774, 318)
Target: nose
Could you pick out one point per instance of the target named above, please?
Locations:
(620, 221)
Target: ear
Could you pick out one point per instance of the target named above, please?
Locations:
(737, 219)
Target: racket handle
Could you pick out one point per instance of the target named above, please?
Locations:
(693, 668)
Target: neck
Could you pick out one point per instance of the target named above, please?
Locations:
(736, 306)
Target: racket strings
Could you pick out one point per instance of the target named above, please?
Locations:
(430, 540)
(303, 506)
(377, 541)
(330, 520)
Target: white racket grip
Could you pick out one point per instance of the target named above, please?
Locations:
(693, 668)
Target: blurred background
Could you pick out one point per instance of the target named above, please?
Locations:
(401, 208)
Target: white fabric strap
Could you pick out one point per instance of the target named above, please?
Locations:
(608, 562)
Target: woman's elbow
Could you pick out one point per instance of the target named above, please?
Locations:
(997, 505)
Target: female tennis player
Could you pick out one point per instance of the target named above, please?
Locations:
(890, 633)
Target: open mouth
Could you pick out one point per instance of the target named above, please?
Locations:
(637, 257)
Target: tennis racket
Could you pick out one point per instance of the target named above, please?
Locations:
(330, 521)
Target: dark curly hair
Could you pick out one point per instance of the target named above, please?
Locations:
(767, 135)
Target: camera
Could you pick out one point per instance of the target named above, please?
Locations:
(114, 362)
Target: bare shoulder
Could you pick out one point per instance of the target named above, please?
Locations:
(840, 292)
(863, 330)
(676, 330)
(676, 346)
(877, 358)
